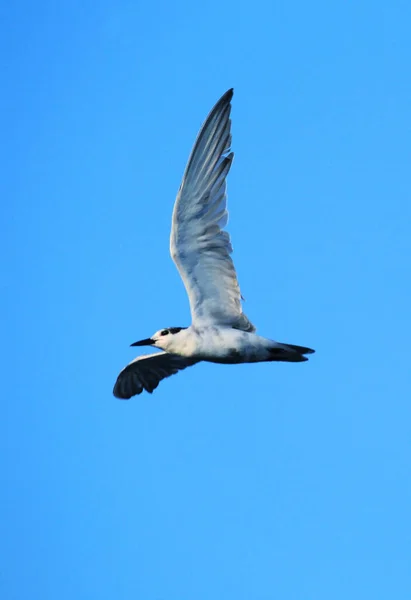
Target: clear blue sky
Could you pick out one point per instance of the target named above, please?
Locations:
(261, 482)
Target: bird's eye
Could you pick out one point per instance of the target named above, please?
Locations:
(165, 332)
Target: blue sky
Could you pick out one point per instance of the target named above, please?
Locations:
(255, 481)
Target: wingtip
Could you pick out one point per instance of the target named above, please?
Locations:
(226, 97)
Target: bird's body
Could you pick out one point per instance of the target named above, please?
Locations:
(226, 345)
(201, 249)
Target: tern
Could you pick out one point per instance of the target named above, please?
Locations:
(220, 332)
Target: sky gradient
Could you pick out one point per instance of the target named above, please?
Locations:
(268, 481)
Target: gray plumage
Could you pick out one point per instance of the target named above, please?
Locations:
(198, 245)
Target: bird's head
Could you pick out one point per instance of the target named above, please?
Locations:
(164, 338)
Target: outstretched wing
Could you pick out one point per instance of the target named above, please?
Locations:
(145, 373)
(198, 245)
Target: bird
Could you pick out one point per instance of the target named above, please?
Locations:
(201, 249)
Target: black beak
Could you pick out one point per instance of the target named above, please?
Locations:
(146, 342)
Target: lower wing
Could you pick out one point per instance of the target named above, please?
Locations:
(145, 373)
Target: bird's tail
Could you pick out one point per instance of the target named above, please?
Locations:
(290, 353)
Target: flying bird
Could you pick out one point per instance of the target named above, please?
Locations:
(220, 332)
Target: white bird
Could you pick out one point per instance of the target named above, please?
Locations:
(220, 332)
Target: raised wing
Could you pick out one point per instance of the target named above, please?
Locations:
(145, 373)
(198, 245)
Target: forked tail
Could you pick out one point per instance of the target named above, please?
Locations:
(290, 353)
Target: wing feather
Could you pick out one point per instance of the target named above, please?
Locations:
(198, 245)
(145, 373)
